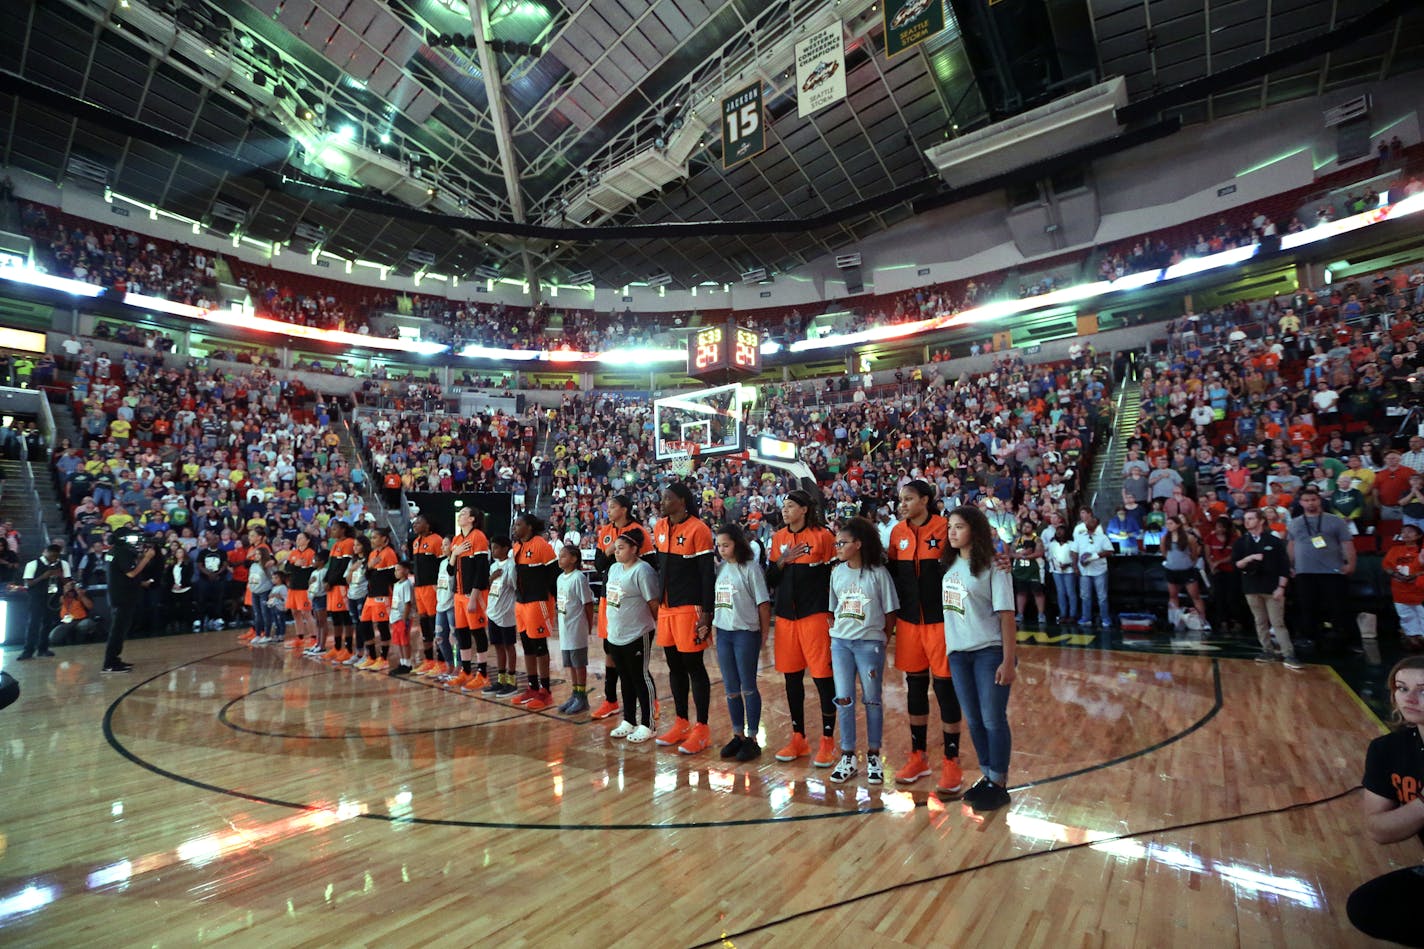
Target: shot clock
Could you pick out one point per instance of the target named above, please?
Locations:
(714, 352)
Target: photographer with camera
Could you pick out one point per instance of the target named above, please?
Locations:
(43, 578)
(76, 616)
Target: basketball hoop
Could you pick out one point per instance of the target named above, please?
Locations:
(680, 463)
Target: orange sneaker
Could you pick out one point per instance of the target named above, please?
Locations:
(441, 669)
(697, 741)
(365, 664)
(677, 734)
(426, 667)
(248, 636)
(542, 699)
(827, 753)
(330, 654)
(382, 665)
(606, 710)
(475, 683)
(297, 643)
(342, 655)
(916, 767)
(951, 778)
(797, 747)
(460, 679)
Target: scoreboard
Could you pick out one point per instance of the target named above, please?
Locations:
(714, 352)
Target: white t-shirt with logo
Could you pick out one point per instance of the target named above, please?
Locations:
(860, 599)
(572, 594)
(972, 605)
(739, 592)
(628, 591)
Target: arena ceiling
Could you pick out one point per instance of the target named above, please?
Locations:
(178, 103)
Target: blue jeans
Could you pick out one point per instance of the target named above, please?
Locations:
(737, 651)
(261, 616)
(444, 632)
(1066, 586)
(1088, 589)
(276, 620)
(986, 708)
(862, 659)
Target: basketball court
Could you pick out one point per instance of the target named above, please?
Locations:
(226, 794)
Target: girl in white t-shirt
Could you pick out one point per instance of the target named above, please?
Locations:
(980, 637)
(632, 592)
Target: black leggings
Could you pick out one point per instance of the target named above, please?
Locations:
(632, 660)
(363, 634)
(1387, 907)
(687, 669)
(796, 702)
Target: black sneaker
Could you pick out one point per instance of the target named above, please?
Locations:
(400, 670)
(24, 657)
(974, 793)
(118, 667)
(46, 654)
(750, 750)
(993, 797)
(733, 747)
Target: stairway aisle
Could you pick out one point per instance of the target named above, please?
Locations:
(1105, 489)
(17, 507)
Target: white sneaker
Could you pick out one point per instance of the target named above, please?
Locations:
(198, 625)
(355, 660)
(1294, 666)
(845, 769)
(640, 734)
(623, 730)
(260, 641)
(874, 769)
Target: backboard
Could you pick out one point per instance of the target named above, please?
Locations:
(701, 423)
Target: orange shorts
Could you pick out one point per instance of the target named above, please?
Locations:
(400, 635)
(536, 620)
(919, 647)
(470, 610)
(804, 645)
(677, 626)
(425, 601)
(336, 600)
(602, 619)
(377, 609)
(298, 600)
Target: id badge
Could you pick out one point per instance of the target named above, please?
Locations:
(1318, 542)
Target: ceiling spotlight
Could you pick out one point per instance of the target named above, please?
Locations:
(320, 108)
(659, 143)
(385, 138)
(347, 133)
(308, 114)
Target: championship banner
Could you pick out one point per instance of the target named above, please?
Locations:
(820, 70)
(743, 126)
(909, 22)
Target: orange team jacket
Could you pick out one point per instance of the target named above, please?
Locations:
(684, 563)
(425, 557)
(536, 571)
(916, 568)
(803, 582)
(472, 562)
(381, 572)
(603, 545)
(342, 553)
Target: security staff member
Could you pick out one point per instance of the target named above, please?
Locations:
(44, 577)
(130, 554)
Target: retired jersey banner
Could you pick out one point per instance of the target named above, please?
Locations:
(910, 22)
(820, 70)
(743, 125)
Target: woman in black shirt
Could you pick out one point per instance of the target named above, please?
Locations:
(1387, 907)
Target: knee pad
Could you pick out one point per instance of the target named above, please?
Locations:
(917, 693)
(948, 701)
(427, 626)
(534, 647)
(462, 637)
(481, 639)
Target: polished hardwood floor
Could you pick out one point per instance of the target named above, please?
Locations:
(239, 796)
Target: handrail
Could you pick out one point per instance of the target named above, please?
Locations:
(33, 493)
(1112, 440)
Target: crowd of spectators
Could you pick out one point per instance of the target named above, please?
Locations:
(198, 458)
(1252, 405)
(120, 260)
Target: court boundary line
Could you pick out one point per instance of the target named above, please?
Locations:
(117, 745)
(222, 717)
(725, 939)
